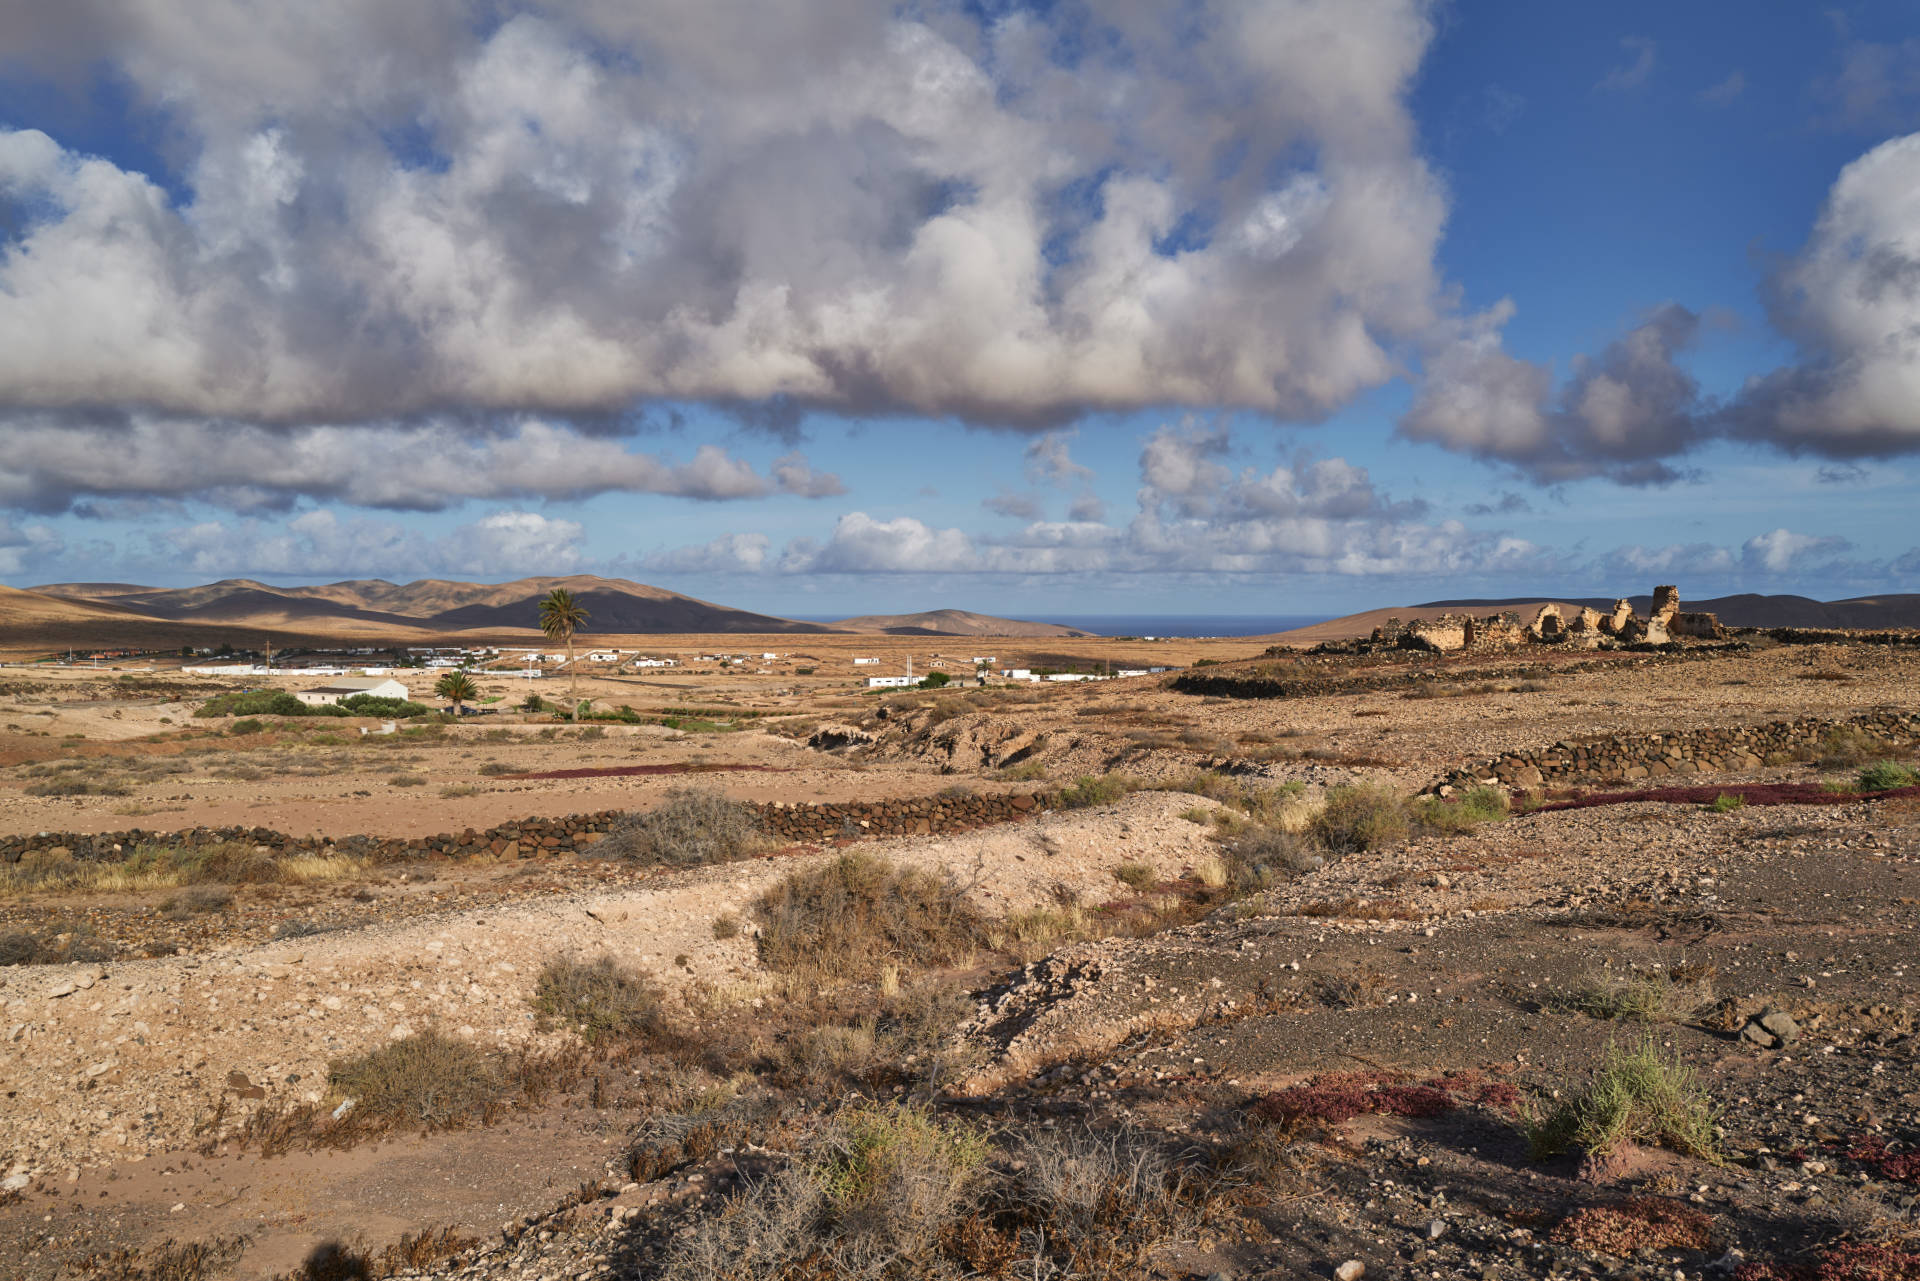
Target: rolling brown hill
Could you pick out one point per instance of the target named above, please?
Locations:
(370, 607)
(951, 622)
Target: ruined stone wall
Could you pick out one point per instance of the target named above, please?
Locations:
(574, 833)
(1620, 758)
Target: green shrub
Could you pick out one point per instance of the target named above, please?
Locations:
(253, 702)
(1640, 998)
(859, 913)
(691, 826)
(245, 726)
(597, 998)
(1637, 1095)
(1849, 746)
(1136, 876)
(385, 708)
(1884, 776)
(77, 785)
(1361, 818)
(1726, 803)
(1465, 812)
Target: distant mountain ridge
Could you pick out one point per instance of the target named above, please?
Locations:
(431, 606)
(613, 605)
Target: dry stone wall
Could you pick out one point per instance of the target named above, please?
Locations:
(574, 833)
(1616, 758)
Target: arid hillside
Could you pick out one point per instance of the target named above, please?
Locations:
(1530, 962)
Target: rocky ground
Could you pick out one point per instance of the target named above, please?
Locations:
(1353, 1052)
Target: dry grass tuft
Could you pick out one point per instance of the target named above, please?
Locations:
(859, 913)
(692, 826)
(428, 1079)
(599, 998)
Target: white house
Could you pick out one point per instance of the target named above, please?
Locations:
(866, 662)
(889, 682)
(348, 686)
(603, 656)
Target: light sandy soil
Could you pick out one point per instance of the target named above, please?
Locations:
(1450, 942)
(114, 1061)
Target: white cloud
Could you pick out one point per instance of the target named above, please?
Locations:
(794, 475)
(1782, 550)
(1725, 92)
(322, 543)
(1875, 86)
(46, 464)
(1851, 299)
(1196, 515)
(1018, 506)
(860, 544)
(397, 212)
(1049, 461)
(1618, 416)
(727, 554)
(23, 547)
(1636, 70)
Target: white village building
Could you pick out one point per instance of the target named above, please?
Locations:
(346, 687)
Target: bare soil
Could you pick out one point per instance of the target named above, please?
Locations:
(124, 1127)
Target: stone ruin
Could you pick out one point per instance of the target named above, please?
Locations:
(1589, 629)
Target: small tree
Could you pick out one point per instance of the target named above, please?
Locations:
(456, 688)
(560, 617)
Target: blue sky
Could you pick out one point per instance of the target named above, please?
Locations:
(1275, 307)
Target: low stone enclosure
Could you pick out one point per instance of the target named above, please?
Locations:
(1615, 758)
(575, 833)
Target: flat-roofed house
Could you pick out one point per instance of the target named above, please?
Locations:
(345, 687)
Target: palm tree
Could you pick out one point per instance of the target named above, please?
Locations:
(560, 617)
(456, 688)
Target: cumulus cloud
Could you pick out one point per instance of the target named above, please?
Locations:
(48, 465)
(386, 212)
(323, 543)
(1196, 514)
(1618, 415)
(1851, 300)
(727, 554)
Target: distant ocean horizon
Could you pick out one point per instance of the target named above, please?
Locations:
(1159, 624)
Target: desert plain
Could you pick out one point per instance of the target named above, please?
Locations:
(1282, 962)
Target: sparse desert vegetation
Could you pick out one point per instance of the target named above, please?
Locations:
(777, 984)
